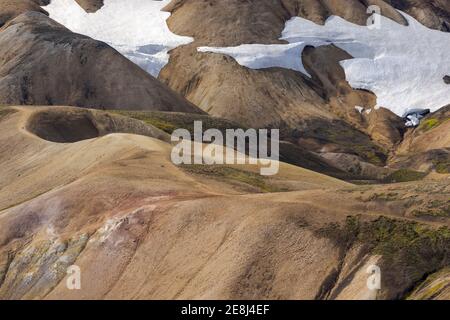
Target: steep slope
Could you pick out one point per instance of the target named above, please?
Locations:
(46, 64)
(136, 28)
(426, 147)
(436, 286)
(98, 190)
(148, 215)
(433, 133)
(378, 61)
(259, 22)
(277, 97)
(9, 9)
(62, 125)
(434, 13)
(289, 152)
(271, 97)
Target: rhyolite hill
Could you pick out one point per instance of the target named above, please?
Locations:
(86, 176)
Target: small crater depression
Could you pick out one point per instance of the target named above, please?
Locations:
(63, 126)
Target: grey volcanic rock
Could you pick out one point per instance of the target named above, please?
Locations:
(43, 63)
(447, 79)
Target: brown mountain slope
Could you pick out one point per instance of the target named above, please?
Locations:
(9, 9)
(44, 63)
(426, 147)
(282, 98)
(436, 286)
(98, 190)
(265, 98)
(157, 231)
(289, 152)
(432, 13)
(272, 97)
(70, 125)
(433, 133)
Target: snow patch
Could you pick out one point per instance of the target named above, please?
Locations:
(136, 28)
(261, 56)
(403, 65)
(414, 116)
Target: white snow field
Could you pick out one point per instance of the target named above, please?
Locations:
(403, 65)
(136, 28)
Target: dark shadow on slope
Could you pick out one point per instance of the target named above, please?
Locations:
(70, 124)
(62, 127)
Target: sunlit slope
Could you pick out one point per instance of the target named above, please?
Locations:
(140, 227)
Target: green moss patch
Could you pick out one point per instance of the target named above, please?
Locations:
(442, 166)
(390, 196)
(410, 251)
(404, 175)
(346, 138)
(222, 172)
(429, 124)
(435, 208)
(432, 286)
(170, 121)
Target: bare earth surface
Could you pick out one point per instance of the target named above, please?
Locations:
(83, 186)
(140, 227)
